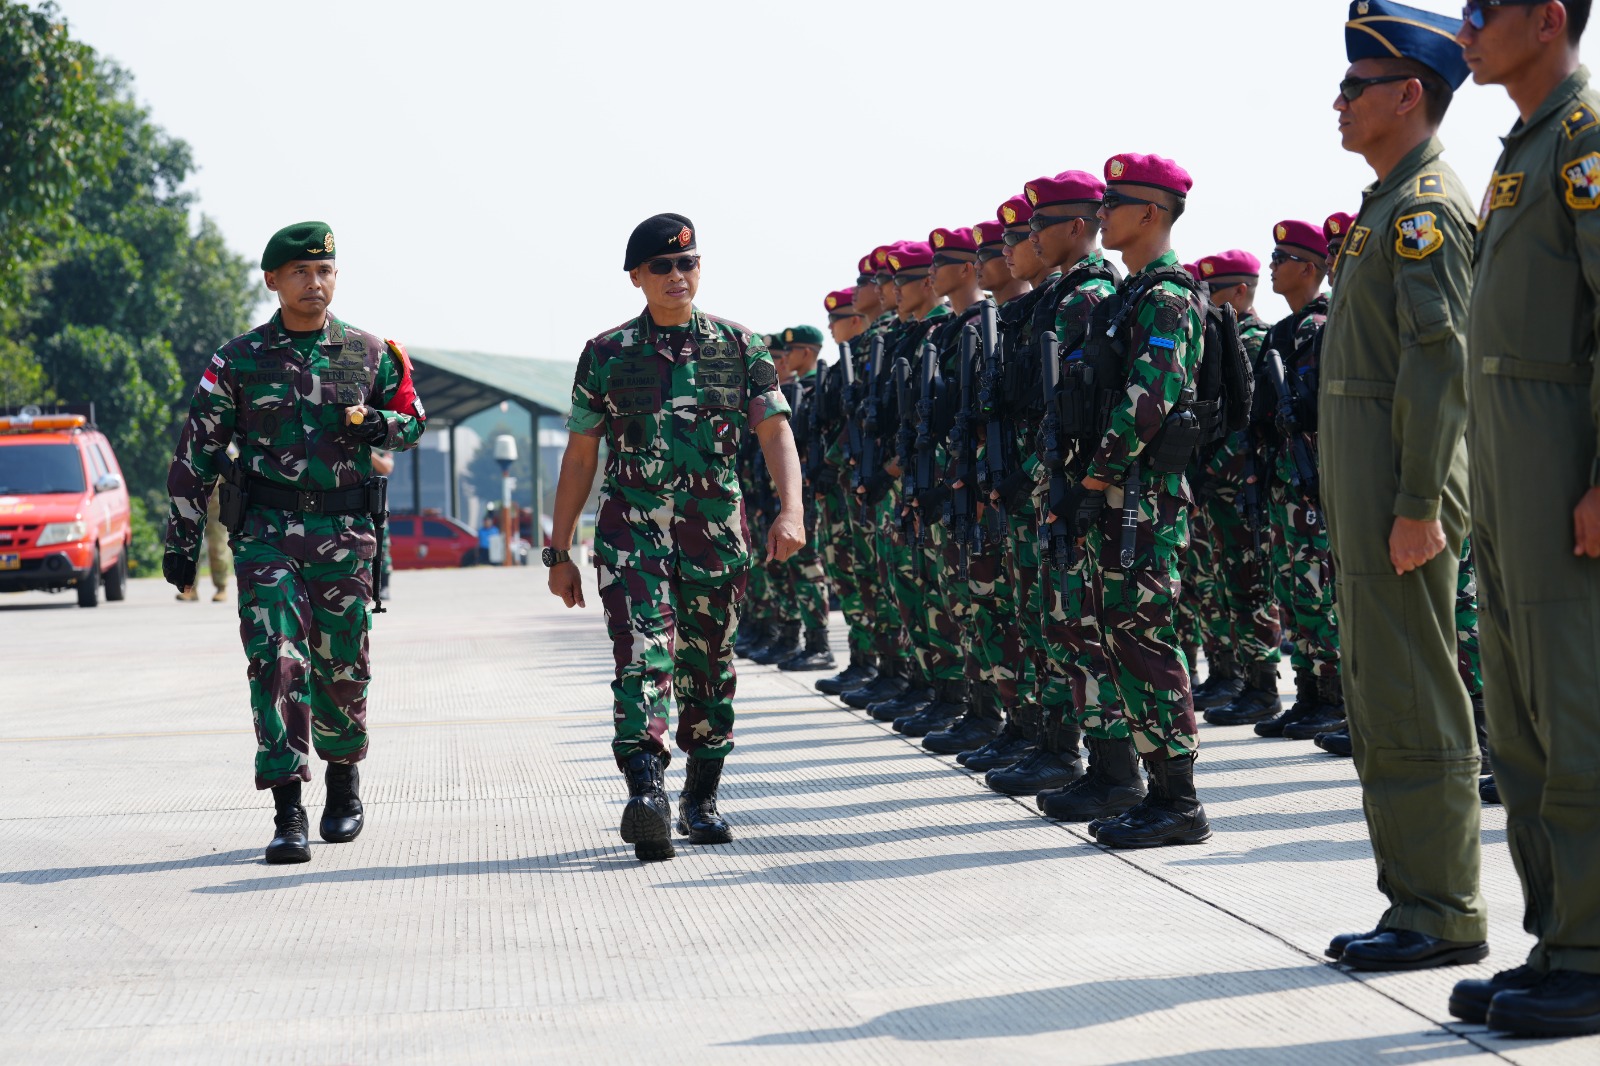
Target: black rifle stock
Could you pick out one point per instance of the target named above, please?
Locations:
(961, 509)
(1292, 430)
(992, 471)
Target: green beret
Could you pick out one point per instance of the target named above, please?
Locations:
(773, 341)
(802, 335)
(303, 240)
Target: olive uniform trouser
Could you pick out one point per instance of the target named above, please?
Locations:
(1416, 750)
(219, 557)
(671, 636)
(304, 627)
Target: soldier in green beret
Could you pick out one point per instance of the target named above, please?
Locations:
(307, 399)
(809, 599)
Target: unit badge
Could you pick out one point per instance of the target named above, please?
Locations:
(1355, 242)
(1419, 235)
(1117, 168)
(1033, 197)
(1583, 182)
(1010, 215)
(1430, 185)
(938, 240)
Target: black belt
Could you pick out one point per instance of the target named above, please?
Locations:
(264, 493)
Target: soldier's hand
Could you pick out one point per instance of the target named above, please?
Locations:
(1586, 525)
(1413, 543)
(787, 536)
(178, 571)
(566, 583)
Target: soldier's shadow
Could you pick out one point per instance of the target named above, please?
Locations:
(56, 875)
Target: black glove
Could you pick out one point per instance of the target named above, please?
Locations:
(1016, 488)
(371, 431)
(1063, 499)
(1090, 506)
(178, 570)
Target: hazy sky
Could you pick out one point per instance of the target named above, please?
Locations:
(483, 163)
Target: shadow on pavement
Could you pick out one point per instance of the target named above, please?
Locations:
(241, 857)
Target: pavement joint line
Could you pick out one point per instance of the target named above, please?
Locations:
(164, 734)
(1127, 860)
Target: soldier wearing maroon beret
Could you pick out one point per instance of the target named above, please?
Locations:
(1335, 229)
(1158, 323)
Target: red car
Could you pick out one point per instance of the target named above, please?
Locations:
(64, 516)
(428, 541)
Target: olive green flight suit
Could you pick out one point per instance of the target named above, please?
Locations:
(1535, 409)
(1392, 414)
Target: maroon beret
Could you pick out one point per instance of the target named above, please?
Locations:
(990, 232)
(911, 255)
(1130, 168)
(1015, 211)
(1337, 226)
(953, 240)
(841, 301)
(1230, 268)
(1068, 187)
(1303, 236)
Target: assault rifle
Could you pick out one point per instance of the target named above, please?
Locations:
(868, 466)
(1292, 431)
(992, 471)
(926, 467)
(904, 443)
(816, 447)
(1058, 543)
(961, 510)
(852, 428)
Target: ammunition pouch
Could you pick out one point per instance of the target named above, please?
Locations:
(232, 502)
(1180, 436)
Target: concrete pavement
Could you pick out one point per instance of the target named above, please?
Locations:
(879, 905)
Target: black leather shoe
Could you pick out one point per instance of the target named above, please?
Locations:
(1336, 946)
(647, 819)
(1305, 703)
(1036, 773)
(1469, 1000)
(966, 733)
(1488, 791)
(1006, 748)
(1406, 949)
(342, 813)
(1336, 743)
(1565, 1003)
(697, 804)
(290, 843)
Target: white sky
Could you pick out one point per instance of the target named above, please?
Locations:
(482, 163)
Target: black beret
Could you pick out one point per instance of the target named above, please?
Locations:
(658, 235)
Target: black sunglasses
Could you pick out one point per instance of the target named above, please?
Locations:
(1039, 223)
(1473, 14)
(986, 254)
(1113, 200)
(944, 259)
(1352, 88)
(1014, 238)
(1279, 258)
(902, 280)
(683, 263)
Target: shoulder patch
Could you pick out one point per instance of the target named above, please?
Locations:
(1431, 185)
(763, 376)
(1354, 243)
(1580, 119)
(1582, 176)
(1419, 235)
(1170, 308)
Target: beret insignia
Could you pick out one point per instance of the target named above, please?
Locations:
(977, 234)
(938, 240)
(1583, 182)
(880, 256)
(1207, 267)
(1419, 236)
(1283, 233)
(1333, 226)
(1116, 169)
(788, 336)
(1430, 185)
(1579, 121)
(684, 237)
(327, 243)
(894, 261)
(1033, 196)
(1010, 214)
(832, 302)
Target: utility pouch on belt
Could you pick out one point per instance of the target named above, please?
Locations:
(1175, 444)
(233, 495)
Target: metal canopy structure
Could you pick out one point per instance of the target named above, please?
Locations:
(457, 385)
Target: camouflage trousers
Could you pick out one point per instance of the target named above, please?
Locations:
(1467, 655)
(1245, 616)
(839, 563)
(304, 627)
(759, 604)
(947, 608)
(910, 570)
(1022, 570)
(1302, 569)
(798, 589)
(671, 637)
(1135, 608)
(877, 594)
(1077, 652)
(1193, 571)
(994, 642)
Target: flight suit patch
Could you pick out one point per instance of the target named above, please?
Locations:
(1580, 119)
(1583, 182)
(1355, 242)
(1419, 235)
(1430, 185)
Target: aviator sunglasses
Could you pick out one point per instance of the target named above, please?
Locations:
(1474, 13)
(683, 263)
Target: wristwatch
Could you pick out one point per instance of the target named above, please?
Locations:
(551, 557)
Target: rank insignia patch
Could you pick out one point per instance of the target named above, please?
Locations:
(1430, 185)
(1419, 235)
(1580, 120)
(1356, 241)
(1583, 182)
(1505, 191)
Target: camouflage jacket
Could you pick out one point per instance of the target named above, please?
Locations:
(1078, 295)
(673, 421)
(1301, 331)
(1164, 337)
(1240, 456)
(286, 409)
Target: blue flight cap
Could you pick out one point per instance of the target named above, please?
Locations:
(1380, 29)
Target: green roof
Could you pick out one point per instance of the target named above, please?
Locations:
(457, 385)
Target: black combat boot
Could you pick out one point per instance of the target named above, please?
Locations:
(890, 682)
(1056, 763)
(862, 670)
(647, 819)
(920, 691)
(974, 729)
(1336, 742)
(342, 814)
(1112, 785)
(753, 633)
(290, 843)
(1007, 747)
(1170, 814)
(782, 647)
(1223, 683)
(816, 655)
(1480, 724)
(1305, 703)
(1258, 702)
(1328, 715)
(948, 704)
(697, 804)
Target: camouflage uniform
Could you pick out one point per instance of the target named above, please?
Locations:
(671, 542)
(806, 582)
(304, 578)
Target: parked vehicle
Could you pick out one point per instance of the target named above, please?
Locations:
(430, 541)
(64, 516)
